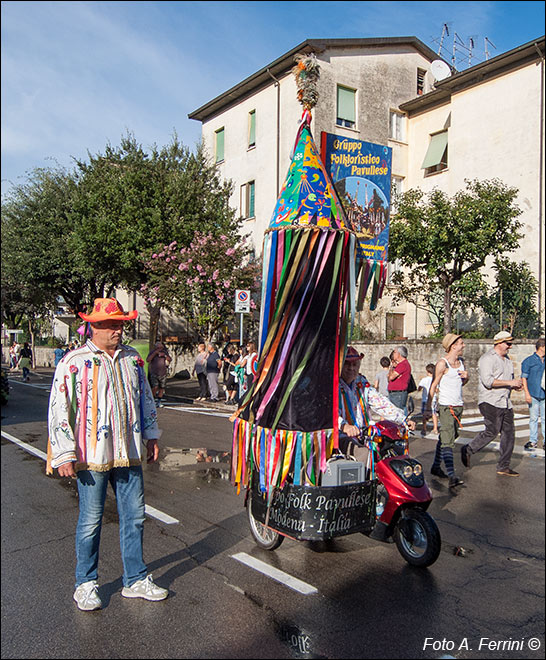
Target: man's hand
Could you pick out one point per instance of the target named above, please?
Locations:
(152, 451)
(350, 430)
(411, 424)
(67, 470)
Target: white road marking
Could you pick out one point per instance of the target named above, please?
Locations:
(47, 388)
(200, 411)
(476, 420)
(159, 515)
(25, 446)
(149, 510)
(480, 426)
(275, 574)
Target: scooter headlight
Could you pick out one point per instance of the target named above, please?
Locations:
(409, 470)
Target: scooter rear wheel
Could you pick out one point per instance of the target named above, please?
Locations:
(264, 536)
(417, 538)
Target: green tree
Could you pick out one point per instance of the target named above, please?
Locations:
(131, 203)
(37, 262)
(441, 241)
(512, 301)
(80, 235)
(199, 281)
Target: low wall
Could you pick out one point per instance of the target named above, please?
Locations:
(420, 353)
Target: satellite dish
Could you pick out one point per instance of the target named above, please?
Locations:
(440, 70)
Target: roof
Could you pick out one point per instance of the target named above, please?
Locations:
(284, 64)
(479, 73)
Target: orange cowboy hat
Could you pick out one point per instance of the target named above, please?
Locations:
(108, 309)
(353, 354)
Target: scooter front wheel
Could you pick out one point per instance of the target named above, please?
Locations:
(417, 538)
(264, 536)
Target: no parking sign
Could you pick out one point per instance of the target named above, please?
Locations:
(242, 301)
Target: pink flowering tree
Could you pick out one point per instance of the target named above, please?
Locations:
(198, 282)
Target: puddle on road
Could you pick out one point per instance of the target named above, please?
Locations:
(196, 463)
(298, 641)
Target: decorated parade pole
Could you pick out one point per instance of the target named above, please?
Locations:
(287, 424)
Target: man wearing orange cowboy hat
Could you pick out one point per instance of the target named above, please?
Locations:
(353, 389)
(101, 412)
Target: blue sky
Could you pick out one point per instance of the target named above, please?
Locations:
(77, 75)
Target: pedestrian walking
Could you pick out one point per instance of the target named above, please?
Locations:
(249, 363)
(213, 371)
(25, 361)
(223, 356)
(428, 412)
(13, 357)
(200, 370)
(449, 376)
(59, 353)
(232, 386)
(101, 411)
(159, 360)
(496, 382)
(532, 377)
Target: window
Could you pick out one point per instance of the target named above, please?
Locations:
(252, 128)
(392, 268)
(397, 183)
(394, 326)
(421, 73)
(247, 204)
(436, 156)
(397, 127)
(346, 107)
(219, 147)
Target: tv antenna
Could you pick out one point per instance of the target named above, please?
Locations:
(445, 31)
(487, 41)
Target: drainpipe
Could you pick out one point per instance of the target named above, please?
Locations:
(278, 86)
(540, 180)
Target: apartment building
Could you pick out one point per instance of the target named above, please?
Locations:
(485, 122)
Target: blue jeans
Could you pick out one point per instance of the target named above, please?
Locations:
(128, 486)
(400, 400)
(536, 410)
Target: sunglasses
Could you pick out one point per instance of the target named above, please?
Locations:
(109, 325)
(508, 343)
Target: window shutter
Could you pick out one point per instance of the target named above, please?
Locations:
(252, 128)
(251, 212)
(435, 151)
(220, 145)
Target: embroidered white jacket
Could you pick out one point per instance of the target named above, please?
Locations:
(101, 409)
(375, 401)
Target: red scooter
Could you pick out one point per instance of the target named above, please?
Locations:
(390, 508)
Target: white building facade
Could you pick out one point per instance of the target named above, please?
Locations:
(486, 122)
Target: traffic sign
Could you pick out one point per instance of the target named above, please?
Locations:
(242, 301)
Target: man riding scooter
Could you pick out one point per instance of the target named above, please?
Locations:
(355, 403)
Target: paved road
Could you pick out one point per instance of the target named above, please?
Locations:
(364, 601)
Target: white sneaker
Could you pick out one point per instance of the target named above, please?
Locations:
(145, 589)
(86, 596)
